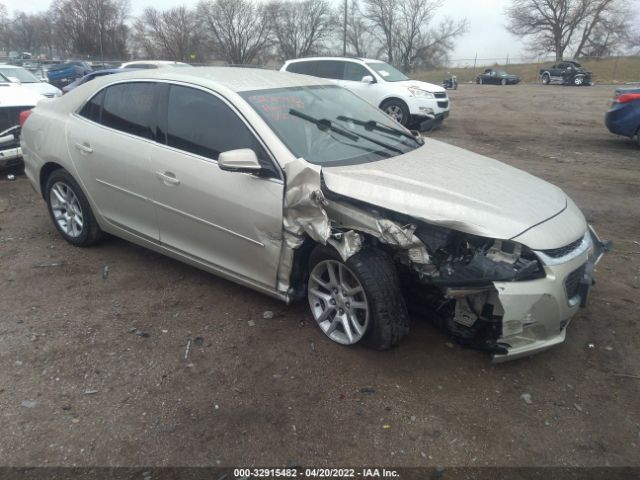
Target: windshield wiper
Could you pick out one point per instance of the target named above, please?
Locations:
(375, 125)
(325, 124)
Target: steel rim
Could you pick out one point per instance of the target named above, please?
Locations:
(66, 209)
(395, 112)
(338, 302)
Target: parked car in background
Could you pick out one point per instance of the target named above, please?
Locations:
(567, 72)
(300, 189)
(63, 74)
(406, 101)
(96, 74)
(623, 118)
(150, 64)
(14, 99)
(497, 77)
(27, 79)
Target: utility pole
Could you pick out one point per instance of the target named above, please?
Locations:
(344, 32)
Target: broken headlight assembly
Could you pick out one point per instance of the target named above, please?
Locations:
(462, 260)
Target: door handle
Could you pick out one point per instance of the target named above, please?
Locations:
(168, 178)
(84, 147)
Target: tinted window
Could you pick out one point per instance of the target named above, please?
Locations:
(93, 107)
(355, 72)
(201, 123)
(305, 68)
(130, 108)
(329, 69)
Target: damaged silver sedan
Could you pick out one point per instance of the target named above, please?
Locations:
(300, 189)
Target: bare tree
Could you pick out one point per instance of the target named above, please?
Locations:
(403, 28)
(171, 34)
(300, 28)
(559, 25)
(360, 40)
(238, 28)
(94, 27)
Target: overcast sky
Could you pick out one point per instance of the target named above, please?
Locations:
(487, 36)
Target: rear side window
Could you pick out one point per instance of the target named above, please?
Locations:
(130, 108)
(93, 108)
(329, 69)
(304, 68)
(354, 72)
(201, 123)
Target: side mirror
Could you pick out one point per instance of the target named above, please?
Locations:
(367, 79)
(241, 160)
(14, 80)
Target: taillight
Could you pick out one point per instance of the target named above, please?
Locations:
(22, 117)
(627, 97)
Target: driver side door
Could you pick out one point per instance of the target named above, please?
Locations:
(230, 222)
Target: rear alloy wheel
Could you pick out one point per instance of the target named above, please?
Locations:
(396, 110)
(503, 81)
(480, 81)
(358, 300)
(70, 210)
(546, 80)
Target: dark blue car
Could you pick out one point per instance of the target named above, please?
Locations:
(624, 116)
(96, 74)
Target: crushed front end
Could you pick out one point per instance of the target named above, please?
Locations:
(498, 295)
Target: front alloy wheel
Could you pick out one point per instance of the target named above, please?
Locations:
(338, 302)
(578, 81)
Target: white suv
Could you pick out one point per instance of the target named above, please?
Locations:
(380, 84)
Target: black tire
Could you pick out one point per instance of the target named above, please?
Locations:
(91, 232)
(546, 80)
(400, 106)
(376, 272)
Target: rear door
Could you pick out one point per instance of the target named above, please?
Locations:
(110, 141)
(228, 220)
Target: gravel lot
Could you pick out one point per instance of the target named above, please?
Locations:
(93, 369)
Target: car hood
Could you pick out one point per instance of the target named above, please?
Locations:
(13, 95)
(42, 88)
(449, 186)
(429, 87)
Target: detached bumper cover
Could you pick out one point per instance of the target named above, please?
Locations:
(537, 312)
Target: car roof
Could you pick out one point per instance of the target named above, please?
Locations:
(236, 79)
(357, 59)
(155, 62)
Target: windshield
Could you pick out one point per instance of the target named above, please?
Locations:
(330, 126)
(387, 72)
(25, 76)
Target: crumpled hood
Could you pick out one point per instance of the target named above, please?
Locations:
(446, 185)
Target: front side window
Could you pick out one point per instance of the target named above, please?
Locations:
(329, 125)
(130, 108)
(25, 76)
(354, 72)
(387, 72)
(201, 123)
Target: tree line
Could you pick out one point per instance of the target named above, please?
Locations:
(404, 32)
(407, 33)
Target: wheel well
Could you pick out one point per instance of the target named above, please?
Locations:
(393, 99)
(45, 171)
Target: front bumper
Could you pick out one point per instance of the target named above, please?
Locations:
(535, 313)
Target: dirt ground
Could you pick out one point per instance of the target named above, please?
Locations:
(93, 369)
